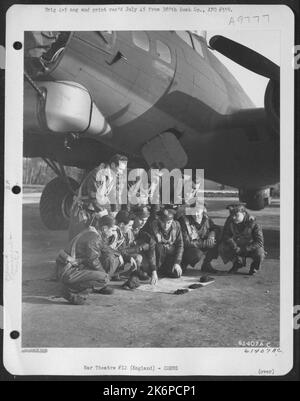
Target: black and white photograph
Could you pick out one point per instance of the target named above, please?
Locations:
(156, 191)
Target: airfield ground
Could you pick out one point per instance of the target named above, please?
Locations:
(235, 308)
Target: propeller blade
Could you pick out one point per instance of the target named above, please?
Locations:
(246, 57)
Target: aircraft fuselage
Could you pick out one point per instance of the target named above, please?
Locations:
(148, 83)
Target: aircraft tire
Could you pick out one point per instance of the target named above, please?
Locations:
(257, 204)
(255, 200)
(56, 202)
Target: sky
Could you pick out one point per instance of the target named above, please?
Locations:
(265, 42)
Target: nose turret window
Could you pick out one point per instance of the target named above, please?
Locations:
(163, 52)
(140, 39)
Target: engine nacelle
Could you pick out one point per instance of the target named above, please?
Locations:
(64, 107)
(272, 104)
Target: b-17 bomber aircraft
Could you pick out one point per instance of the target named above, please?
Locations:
(156, 97)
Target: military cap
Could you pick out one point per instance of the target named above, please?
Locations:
(124, 216)
(167, 214)
(118, 158)
(141, 212)
(204, 205)
(106, 221)
(136, 224)
(194, 204)
(236, 208)
(91, 207)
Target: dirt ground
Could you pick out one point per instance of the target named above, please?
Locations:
(234, 308)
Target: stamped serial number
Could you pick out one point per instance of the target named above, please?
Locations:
(254, 344)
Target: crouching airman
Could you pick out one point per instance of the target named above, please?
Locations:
(201, 238)
(88, 263)
(167, 235)
(242, 238)
(124, 240)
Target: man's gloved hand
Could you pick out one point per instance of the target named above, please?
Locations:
(154, 278)
(243, 250)
(238, 250)
(177, 270)
(143, 247)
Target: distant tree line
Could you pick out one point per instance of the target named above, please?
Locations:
(37, 172)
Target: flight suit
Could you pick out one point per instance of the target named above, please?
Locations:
(126, 246)
(244, 240)
(168, 246)
(87, 262)
(90, 199)
(145, 246)
(196, 238)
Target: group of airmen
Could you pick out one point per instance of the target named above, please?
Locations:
(143, 243)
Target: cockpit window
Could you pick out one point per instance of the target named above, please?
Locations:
(198, 46)
(43, 49)
(184, 35)
(140, 39)
(163, 52)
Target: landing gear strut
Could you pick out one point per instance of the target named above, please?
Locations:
(255, 199)
(57, 198)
